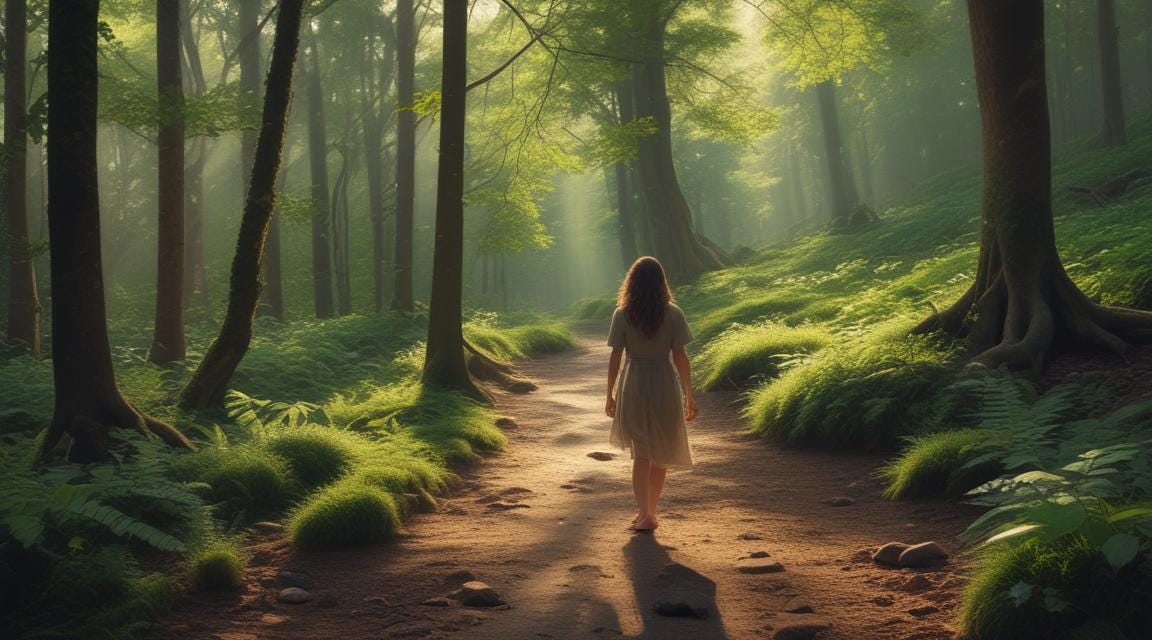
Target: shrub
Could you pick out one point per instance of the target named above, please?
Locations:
(346, 514)
(218, 566)
(245, 482)
(864, 394)
(745, 353)
(317, 455)
(935, 465)
(537, 339)
(594, 309)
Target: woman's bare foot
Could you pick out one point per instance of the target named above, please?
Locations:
(647, 523)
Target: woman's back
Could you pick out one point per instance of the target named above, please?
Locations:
(673, 333)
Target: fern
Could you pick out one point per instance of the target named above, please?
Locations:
(256, 414)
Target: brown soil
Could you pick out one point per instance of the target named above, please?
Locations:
(559, 553)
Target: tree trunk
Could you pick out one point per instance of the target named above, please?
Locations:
(405, 154)
(637, 219)
(372, 115)
(195, 294)
(340, 237)
(318, 160)
(168, 334)
(23, 300)
(444, 363)
(1107, 33)
(677, 245)
(865, 164)
(1022, 304)
(88, 401)
(210, 382)
(841, 184)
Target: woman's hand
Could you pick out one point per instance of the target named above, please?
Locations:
(610, 407)
(690, 410)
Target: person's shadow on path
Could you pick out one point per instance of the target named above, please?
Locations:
(686, 598)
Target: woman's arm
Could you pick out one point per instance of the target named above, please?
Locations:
(613, 372)
(684, 370)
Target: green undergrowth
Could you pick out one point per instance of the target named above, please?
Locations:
(590, 309)
(934, 465)
(217, 566)
(744, 354)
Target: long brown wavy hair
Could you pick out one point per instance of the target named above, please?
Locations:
(644, 296)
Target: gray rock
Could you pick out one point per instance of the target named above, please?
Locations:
(758, 554)
(602, 456)
(680, 610)
(477, 594)
(922, 555)
(920, 612)
(758, 565)
(293, 595)
(294, 579)
(889, 554)
(799, 604)
(840, 502)
(799, 631)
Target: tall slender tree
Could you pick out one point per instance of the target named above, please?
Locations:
(1022, 304)
(318, 163)
(195, 294)
(1108, 38)
(405, 154)
(168, 333)
(841, 182)
(23, 300)
(444, 362)
(88, 400)
(209, 383)
(375, 115)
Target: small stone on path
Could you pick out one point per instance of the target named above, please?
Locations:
(293, 595)
(758, 554)
(920, 612)
(922, 554)
(839, 502)
(477, 594)
(750, 536)
(507, 506)
(439, 601)
(889, 554)
(602, 456)
(883, 601)
(758, 565)
(505, 422)
(799, 605)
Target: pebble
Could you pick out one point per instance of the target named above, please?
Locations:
(889, 554)
(920, 612)
(799, 605)
(750, 536)
(505, 422)
(602, 456)
(293, 595)
(922, 554)
(758, 554)
(477, 594)
(883, 601)
(758, 565)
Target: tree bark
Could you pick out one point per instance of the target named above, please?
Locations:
(405, 154)
(209, 383)
(168, 333)
(841, 184)
(1107, 33)
(23, 299)
(88, 401)
(444, 363)
(195, 293)
(1022, 305)
(676, 243)
(373, 118)
(318, 161)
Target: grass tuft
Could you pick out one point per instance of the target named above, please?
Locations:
(744, 354)
(594, 309)
(346, 514)
(932, 465)
(245, 481)
(218, 566)
(317, 455)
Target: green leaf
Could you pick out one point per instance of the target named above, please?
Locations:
(1121, 549)
(1013, 532)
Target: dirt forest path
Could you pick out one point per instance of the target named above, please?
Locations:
(545, 525)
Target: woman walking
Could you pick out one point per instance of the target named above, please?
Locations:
(650, 400)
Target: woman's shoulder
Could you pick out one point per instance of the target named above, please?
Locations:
(675, 309)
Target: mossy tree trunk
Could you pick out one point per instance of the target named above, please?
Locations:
(168, 343)
(405, 154)
(444, 364)
(1112, 105)
(1022, 305)
(676, 244)
(23, 299)
(88, 401)
(318, 164)
(210, 381)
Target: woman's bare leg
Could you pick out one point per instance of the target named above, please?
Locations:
(641, 472)
(656, 475)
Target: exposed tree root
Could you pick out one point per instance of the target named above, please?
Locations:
(486, 369)
(87, 432)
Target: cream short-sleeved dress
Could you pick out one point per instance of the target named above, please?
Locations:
(649, 418)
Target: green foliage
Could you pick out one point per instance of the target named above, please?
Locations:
(594, 309)
(245, 482)
(620, 142)
(346, 514)
(255, 414)
(935, 464)
(863, 393)
(218, 566)
(485, 332)
(317, 455)
(744, 354)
